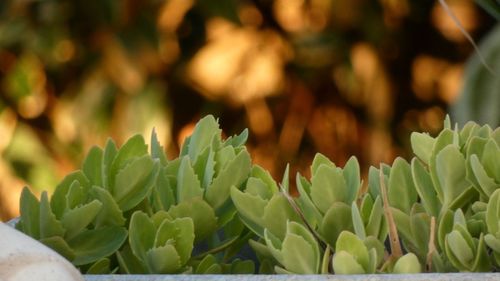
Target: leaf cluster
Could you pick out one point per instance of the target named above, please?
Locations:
(130, 210)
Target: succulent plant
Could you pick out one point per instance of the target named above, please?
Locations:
(133, 211)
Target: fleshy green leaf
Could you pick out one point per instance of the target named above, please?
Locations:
(425, 188)
(49, 225)
(92, 245)
(337, 219)
(401, 190)
(327, 187)
(407, 264)
(188, 185)
(142, 234)
(250, 209)
(157, 151)
(77, 219)
(276, 214)
(58, 199)
(30, 213)
(58, 244)
(110, 213)
(352, 244)
(421, 144)
(101, 266)
(92, 166)
(450, 169)
(202, 215)
(164, 259)
(352, 178)
(134, 182)
(234, 173)
(345, 263)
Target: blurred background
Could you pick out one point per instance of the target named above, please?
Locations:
(340, 77)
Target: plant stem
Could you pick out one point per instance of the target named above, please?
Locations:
(393, 232)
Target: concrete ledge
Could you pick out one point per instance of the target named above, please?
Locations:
(367, 277)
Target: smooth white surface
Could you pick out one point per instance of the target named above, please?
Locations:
(23, 258)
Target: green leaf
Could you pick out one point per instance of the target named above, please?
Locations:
(376, 225)
(490, 157)
(30, 213)
(327, 187)
(58, 244)
(443, 139)
(276, 214)
(75, 196)
(345, 263)
(58, 200)
(457, 247)
(129, 263)
(262, 174)
(181, 230)
(320, 159)
(92, 245)
(203, 216)
(311, 213)
(92, 166)
(135, 147)
(188, 185)
(162, 197)
(110, 213)
(486, 184)
(493, 213)
(162, 260)
(300, 250)
(234, 173)
(142, 234)
(204, 167)
(421, 144)
(206, 129)
(135, 181)
(242, 267)
(401, 190)
(250, 209)
(337, 219)
(101, 266)
(77, 219)
(49, 225)
(450, 169)
(352, 244)
(157, 151)
(258, 187)
(109, 156)
(299, 255)
(407, 264)
(425, 188)
(357, 221)
(352, 178)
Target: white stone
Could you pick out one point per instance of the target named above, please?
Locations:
(23, 258)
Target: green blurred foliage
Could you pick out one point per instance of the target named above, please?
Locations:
(339, 77)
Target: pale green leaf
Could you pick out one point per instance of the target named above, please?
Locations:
(92, 166)
(49, 225)
(421, 144)
(327, 187)
(425, 188)
(188, 185)
(401, 190)
(345, 263)
(77, 219)
(337, 219)
(203, 216)
(352, 178)
(235, 173)
(162, 260)
(110, 213)
(157, 151)
(95, 244)
(352, 244)
(30, 213)
(142, 234)
(407, 264)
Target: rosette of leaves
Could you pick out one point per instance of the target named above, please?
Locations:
(354, 256)
(84, 220)
(158, 244)
(197, 185)
(464, 251)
